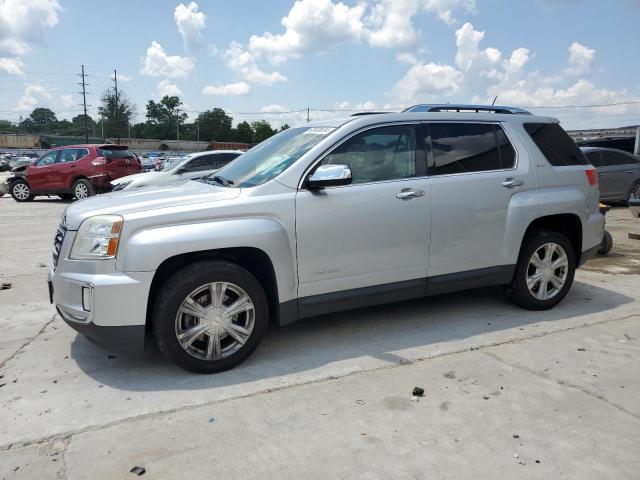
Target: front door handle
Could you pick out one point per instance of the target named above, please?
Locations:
(407, 193)
(628, 171)
(512, 182)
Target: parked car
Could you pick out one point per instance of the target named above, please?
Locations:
(326, 217)
(189, 167)
(618, 173)
(77, 171)
(148, 164)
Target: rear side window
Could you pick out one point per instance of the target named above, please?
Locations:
(555, 144)
(114, 153)
(611, 159)
(594, 158)
(469, 147)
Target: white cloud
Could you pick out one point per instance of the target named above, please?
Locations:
(406, 57)
(580, 59)
(33, 94)
(311, 25)
(469, 54)
(67, 101)
(230, 89)
(428, 80)
(12, 66)
(158, 64)
(190, 23)
(165, 87)
(274, 108)
(23, 24)
(243, 64)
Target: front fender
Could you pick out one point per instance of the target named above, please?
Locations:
(146, 249)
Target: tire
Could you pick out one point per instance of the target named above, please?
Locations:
(193, 282)
(534, 298)
(66, 196)
(607, 243)
(634, 190)
(82, 188)
(21, 191)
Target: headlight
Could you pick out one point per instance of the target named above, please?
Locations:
(120, 186)
(97, 238)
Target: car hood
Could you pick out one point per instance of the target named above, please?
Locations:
(141, 178)
(148, 198)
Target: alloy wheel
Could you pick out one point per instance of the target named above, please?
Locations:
(81, 191)
(214, 321)
(21, 191)
(547, 271)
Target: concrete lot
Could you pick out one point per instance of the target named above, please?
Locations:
(508, 393)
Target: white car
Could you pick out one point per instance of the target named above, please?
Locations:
(192, 166)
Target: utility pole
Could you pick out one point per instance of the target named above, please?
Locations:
(178, 128)
(308, 119)
(84, 103)
(198, 129)
(115, 81)
(636, 149)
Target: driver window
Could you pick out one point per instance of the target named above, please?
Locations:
(198, 164)
(48, 159)
(378, 154)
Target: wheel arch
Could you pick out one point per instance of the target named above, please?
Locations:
(568, 224)
(252, 259)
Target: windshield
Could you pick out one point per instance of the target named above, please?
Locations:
(174, 163)
(270, 158)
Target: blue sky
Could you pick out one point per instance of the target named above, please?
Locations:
(280, 56)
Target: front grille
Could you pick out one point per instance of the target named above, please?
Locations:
(57, 243)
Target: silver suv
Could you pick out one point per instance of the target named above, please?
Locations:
(330, 216)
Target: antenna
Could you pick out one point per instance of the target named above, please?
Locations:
(494, 100)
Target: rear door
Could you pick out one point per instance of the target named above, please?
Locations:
(39, 175)
(616, 174)
(474, 173)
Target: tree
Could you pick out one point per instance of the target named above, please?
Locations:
(215, 125)
(243, 133)
(115, 115)
(261, 130)
(7, 126)
(163, 117)
(284, 127)
(41, 120)
(77, 126)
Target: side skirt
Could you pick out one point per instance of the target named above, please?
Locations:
(392, 292)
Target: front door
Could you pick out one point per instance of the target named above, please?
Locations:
(612, 176)
(39, 175)
(368, 239)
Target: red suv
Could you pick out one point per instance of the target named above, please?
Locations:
(75, 171)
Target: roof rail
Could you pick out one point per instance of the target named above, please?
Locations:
(359, 114)
(454, 107)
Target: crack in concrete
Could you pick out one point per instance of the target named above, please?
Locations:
(28, 342)
(400, 363)
(562, 383)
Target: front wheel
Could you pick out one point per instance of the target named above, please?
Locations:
(545, 271)
(82, 189)
(21, 191)
(210, 316)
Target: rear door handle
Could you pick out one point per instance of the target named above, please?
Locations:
(629, 171)
(407, 193)
(512, 183)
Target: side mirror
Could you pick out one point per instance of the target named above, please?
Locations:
(329, 176)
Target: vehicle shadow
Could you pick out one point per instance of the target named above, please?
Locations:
(358, 338)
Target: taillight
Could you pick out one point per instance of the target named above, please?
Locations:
(592, 176)
(99, 161)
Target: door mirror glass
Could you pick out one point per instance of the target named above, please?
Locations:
(329, 176)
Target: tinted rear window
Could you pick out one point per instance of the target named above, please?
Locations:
(115, 153)
(611, 159)
(594, 158)
(555, 144)
(469, 147)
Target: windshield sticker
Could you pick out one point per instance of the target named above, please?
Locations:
(319, 130)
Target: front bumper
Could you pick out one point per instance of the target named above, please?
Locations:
(106, 306)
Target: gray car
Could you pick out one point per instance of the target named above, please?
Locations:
(325, 217)
(618, 173)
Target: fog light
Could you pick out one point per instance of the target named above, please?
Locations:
(86, 299)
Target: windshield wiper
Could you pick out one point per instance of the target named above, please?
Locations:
(221, 180)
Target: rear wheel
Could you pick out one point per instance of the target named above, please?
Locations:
(545, 271)
(21, 191)
(210, 316)
(634, 191)
(82, 188)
